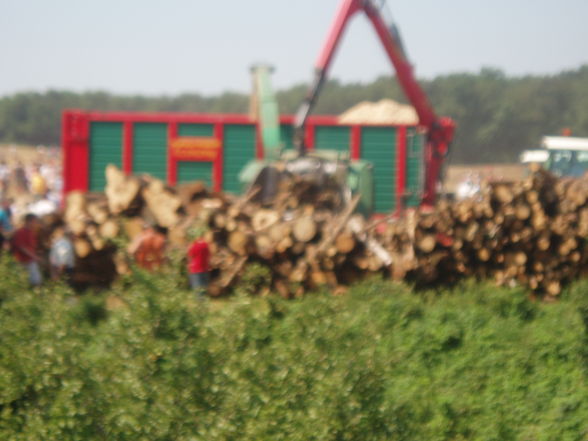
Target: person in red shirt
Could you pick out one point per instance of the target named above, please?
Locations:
(198, 264)
(148, 248)
(24, 248)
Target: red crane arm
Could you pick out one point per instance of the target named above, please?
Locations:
(404, 73)
(440, 130)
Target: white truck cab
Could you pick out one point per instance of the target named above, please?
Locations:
(566, 155)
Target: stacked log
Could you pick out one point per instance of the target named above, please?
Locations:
(530, 232)
(309, 237)
(304, 238)
(92, 227)
(100, 223)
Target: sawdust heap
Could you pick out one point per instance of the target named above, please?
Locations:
(382, 112)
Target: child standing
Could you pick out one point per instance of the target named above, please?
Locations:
(198, 264)
(61, 256)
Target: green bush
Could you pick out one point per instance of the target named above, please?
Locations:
(381, 363)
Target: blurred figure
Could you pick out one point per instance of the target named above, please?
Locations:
(56, 187)
(148, 248)
(38, 183)
(19, 179)
(4, 174)
(5, 222)
(24, 248)
(49, 172)
(468, 188)
(198, 263)
(61, 255)
(43, 207)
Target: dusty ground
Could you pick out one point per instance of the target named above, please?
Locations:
(489, 172)
(12, 154)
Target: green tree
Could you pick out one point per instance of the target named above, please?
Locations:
(497, 116)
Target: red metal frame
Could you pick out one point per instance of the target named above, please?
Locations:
(355, 144)
(127, 160)
(310, 137)
(172, 163)
(76, 137)
(440, 130)
(219, 133)
(259, 150)
(161, 117)
(76, 127)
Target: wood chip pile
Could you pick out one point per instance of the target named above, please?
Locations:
(385, 111)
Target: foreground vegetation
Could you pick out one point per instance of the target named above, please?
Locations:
(497, 116)
(380, 363)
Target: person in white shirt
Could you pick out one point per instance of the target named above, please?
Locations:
(61, 255)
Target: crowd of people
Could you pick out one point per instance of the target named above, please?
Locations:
(30, 190)
(148, 251)
(23, 244)
(36, 188)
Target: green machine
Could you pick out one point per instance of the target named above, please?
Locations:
(353, 177)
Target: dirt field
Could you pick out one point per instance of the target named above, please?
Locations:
(26, 155)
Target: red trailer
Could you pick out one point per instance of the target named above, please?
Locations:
(180, 147)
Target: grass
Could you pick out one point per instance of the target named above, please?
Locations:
(380, 363)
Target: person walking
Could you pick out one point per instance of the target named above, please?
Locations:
(24, 248)
(198, 264)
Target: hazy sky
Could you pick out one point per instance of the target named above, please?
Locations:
(173, 46)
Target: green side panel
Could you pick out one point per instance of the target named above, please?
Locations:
(414, 167)
(287, 136)
(150, 149)
(360, 179)
(239, 149)
(378, 146)
(195, 130)
(189, 171)
(332, 138)
(106, 139)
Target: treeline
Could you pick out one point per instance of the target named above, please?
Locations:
(497, 116)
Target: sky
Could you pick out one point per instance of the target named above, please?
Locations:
(156, 47)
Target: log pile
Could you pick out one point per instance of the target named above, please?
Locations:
(530, 232)
(98, 222)
(309, 237)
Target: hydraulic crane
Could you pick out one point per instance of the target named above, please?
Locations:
(357, 177)
(439, 129)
